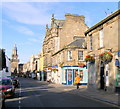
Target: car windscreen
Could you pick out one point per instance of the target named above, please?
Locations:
(6, 82)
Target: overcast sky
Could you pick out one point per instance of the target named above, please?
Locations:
(23, 23)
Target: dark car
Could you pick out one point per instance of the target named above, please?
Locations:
(16, 82)
(2, 100)
(7, 87)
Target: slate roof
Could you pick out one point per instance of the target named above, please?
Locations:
(77, 43)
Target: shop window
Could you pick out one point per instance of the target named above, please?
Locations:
(81, 75)
(75, 73)
(80, 55)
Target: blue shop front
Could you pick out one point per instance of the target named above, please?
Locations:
(70, 72)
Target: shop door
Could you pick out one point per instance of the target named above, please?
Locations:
(70, 77)
(102, 83)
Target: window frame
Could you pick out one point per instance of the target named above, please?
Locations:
(79, 56)
(101, 37)
(91, 42)
(69, 56)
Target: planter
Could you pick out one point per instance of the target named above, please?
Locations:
(106, 57)
(50, 69)
(81, 64)
(90, 59)
(54, 69)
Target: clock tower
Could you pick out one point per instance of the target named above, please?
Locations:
(14, 60)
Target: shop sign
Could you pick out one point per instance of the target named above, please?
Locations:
(54, 66)
(118, 53)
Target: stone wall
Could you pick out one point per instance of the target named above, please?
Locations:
(74, 26)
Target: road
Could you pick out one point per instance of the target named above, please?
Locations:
(33, 93)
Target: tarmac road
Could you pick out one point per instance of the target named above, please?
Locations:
(36, 94)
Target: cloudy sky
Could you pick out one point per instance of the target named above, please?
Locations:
(23, 23)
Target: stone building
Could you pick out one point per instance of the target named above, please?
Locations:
(103, 44)
(26, 69)
(14, 60)
(51, 41)
(70, 62)
(63, 38)
(35, 63)
(20, 69)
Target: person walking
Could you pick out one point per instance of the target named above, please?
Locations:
(77, 80)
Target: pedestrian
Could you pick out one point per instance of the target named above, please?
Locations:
(77, 80)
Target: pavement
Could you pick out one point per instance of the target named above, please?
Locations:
(109, 97)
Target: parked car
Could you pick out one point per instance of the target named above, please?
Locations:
(16, 82)
(2, 99)
(7, 87)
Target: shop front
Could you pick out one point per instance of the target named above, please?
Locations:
(70, 72)
(43, 75)
(54, 73)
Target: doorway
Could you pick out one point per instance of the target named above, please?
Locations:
(102, 82)
(70, 76)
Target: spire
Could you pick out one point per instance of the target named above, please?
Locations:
(46, 27)
(15, 47)
(52, 20)
(14, 52)
(53, 16)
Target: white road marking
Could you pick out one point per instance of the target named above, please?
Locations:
(19, 96)
(19, 107)
(19, 101)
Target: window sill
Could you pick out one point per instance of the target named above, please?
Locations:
(69, 60)
(80, 60)
(89, 51)
(101, 48)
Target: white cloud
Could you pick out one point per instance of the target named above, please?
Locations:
(34, 40)
(21, 29)
(25, 30)
(26, 13)
(4, 21)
